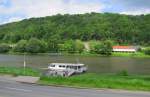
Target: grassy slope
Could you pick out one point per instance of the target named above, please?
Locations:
(101, 81)
(137, 54)
(114, 54)
(90, 80)
(19, 71)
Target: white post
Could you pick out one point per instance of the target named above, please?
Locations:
(77, 60)
(24, 64)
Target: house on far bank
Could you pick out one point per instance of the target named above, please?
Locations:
(129, 49)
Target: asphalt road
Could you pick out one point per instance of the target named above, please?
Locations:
(9, 88)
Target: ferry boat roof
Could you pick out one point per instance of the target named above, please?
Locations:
(68, 64)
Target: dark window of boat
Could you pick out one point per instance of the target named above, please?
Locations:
(62, 66)
(52, 65)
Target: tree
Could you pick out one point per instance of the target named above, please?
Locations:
(97, 48)
(21, 46)
(68, 46)
(147, 51)
(107, 47)
(79, 46)
(125, 29)
(104, 48)
(4, 48)
(53, 44)
(92, 45)
(36, 46)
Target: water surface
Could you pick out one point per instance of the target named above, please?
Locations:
(95, 64)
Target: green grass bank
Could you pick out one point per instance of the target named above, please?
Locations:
(121, 80)
(114, 54)
(15, 71)
(108, 81)
(137, 54)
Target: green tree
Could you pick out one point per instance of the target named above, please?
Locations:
(53, 44)
(79, 46)
(124, 29)
(147, 51)
(68, 46)
(94, 46)
(4, 48)
(36, 46)
(21, 46)
(104, 48)
(97, 48)
(107, 47)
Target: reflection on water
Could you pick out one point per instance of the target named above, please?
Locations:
(95, 64)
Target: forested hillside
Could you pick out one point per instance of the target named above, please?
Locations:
(123, 29)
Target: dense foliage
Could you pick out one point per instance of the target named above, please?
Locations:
(147, 51)
(34, 45)
(4, 48)
(20, 46)
(103, 47)
(124, 29)
(71, 46)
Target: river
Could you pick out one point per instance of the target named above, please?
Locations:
(95, 64)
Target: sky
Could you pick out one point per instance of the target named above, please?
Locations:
(16, 10)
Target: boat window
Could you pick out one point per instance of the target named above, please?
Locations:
(62, 66)
(71, 67)
(79, 67)
(52, 65)
(74, 67)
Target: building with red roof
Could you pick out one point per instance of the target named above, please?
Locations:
(124, 49)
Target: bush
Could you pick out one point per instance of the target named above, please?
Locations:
(79, 46)
(71, 46)
(147, 51)
(53, 45)
(104, 48)
(36, 46)
(68, 46)
(21, 46)
(123, 73)
(4, 48)
(92, 45)
(98, 48)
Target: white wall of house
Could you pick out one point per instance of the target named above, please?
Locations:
(124, 50)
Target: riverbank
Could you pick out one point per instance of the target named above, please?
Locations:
(108, 81)
(137, 54)
(88, 80)
(16, 71)
(114, 54)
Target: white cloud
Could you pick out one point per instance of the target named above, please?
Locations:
(38, 8)
(74, 7)
(13, 19)
(137, 12)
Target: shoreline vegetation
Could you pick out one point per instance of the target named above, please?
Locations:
(114, 54)
(92, 48)
(120, 80)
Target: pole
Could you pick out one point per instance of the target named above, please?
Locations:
(77, 60)
(24, 64)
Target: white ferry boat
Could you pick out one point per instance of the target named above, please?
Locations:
(66, 69)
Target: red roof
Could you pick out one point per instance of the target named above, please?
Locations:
(122, 47)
